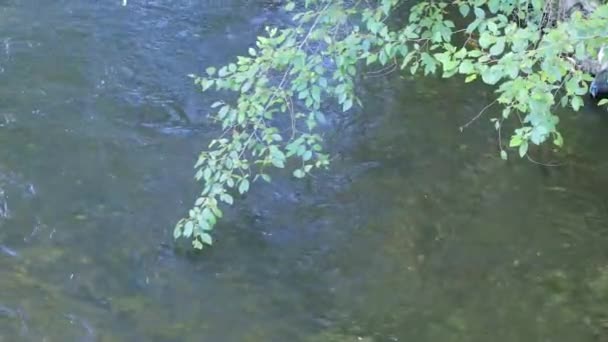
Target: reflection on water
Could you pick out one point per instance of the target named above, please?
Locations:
(418, 232)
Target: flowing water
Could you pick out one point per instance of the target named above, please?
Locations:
(419, 232)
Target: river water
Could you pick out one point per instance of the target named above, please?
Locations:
(418, 232)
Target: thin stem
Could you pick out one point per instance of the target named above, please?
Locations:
(477, 116)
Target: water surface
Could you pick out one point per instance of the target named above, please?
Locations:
(419, 232)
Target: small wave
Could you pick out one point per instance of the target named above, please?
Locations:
(10, 252)
(86, 326)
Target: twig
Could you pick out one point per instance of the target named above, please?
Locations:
(542, 164)
(477, 116)
(382, 71)
(500, 134)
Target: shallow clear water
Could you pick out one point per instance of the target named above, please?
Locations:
(419, 232)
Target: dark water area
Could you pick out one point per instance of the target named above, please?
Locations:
(418, 232)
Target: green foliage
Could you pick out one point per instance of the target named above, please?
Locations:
(290, 75)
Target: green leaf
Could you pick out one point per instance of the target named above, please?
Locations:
(503, 155)
(466, 67)
(492, 74)
(386, 6)
(316, 93)
(210, 71)
(414, 68)
(303, 94)
(188, 228)
(347, 105)
(226, 198)
(470, 78)
(383, 58)
(516, 140)
(278, 163)
(602, 102)
(246, 86)
(216, 211)
(539, 134)
(580, 52)
(243, 186)
(559, 140)
(223, 111)
(430, 63)
(371, 59)
(576, 102)
(523, 149)
(290, 6)
(473, 26)
(252, 52)
(323, 82)
(177, 232)
(206, 238)
(493, 5)
(499, 47)
(486, 39)
(320, 117)
(464, 10)
(307, 155)
(206, 84)
(299, 173)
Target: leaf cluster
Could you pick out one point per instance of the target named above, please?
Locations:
(286, 79)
